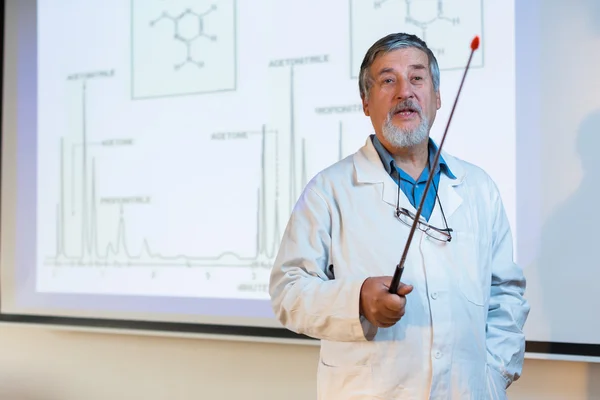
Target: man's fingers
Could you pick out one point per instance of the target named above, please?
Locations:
(385, 325)
(394, 303)
(386, 321)
(404, 289)
(379, 306)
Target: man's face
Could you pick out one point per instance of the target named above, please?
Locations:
(402, 102)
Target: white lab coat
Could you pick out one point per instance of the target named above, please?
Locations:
(461, 336)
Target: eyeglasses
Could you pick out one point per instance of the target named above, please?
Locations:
(407, 218)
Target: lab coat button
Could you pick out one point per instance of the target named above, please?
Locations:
(438, 354)
(434, 295)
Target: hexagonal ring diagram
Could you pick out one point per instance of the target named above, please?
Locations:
(187, 28)
(183, 47)
(448, 26)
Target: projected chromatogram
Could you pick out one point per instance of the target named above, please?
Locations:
(93, 231)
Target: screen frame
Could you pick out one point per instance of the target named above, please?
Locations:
(527, 65)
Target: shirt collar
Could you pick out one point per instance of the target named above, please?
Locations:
(390, 165)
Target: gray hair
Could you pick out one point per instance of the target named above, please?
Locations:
(389, 43)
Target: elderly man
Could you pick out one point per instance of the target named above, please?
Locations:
(454, 328)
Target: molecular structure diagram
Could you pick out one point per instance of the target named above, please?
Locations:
(423, 25)
(188, 28)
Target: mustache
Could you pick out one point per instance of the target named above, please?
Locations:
(405, 105)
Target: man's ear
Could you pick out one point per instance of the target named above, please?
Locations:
(438, 100)
(365, 105)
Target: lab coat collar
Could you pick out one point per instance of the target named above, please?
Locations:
(370, 170)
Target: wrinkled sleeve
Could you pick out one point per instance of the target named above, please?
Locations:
(508, 309)
(305, 297)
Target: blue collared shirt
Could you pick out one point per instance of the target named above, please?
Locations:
(411, 188)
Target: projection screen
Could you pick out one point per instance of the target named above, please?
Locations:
(152, 150)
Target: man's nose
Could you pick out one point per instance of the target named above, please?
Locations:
(404, 89)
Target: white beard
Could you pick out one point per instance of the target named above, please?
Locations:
(399, 137)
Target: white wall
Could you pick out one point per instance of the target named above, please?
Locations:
(38, 364)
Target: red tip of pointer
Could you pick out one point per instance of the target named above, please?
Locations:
(475, 43)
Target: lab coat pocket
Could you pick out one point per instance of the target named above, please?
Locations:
(345, 370)
(352, 382)
(344, 381)
(346, 354)
(468, 268)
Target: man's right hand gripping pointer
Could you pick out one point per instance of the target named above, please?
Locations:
(380, 307)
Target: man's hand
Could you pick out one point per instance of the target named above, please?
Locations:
(382, 308)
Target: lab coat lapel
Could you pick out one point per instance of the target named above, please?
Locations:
(447, 192)
(369, 169)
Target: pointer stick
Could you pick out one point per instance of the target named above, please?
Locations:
(400, 267)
